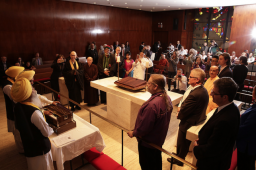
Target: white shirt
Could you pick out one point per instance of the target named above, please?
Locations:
(203, 57)
(250, 60)
(189, 89)
(183, 84)
(222, 107)
(139, 69)
(171, 48)
(181, 54)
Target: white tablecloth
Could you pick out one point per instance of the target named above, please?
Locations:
(86, 137)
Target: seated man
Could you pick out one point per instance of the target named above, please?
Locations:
(37, 60)
(163, 62)
(214, 70)
(181, 82)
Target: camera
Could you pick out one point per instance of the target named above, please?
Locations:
(179, 76)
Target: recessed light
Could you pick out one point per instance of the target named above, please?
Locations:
(178, 8)
(156, 3)
(140, 5)
(112, 5)
(153, 7)
(186, 4)
(126, 7)
(164, 9)
(140, 9)
(168, 6)
(107, 0)
(141, 0)
(125, 3)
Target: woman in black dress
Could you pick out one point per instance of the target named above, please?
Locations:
(57, 66)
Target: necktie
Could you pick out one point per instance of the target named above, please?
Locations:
(38, 63)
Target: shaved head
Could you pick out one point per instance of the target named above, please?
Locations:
(89, 60)
(214, 70)
(73, 55)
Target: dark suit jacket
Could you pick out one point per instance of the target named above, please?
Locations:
(217, 138)
(246, 137)
(178, 46)
(34, 63)
(205, 48)
(2, 71)
(193, 109)
(111, 61)
(141, 47)
(93, 54)
(226, 72)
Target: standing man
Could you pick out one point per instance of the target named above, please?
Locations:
(34, 131)
(214, 147)
(178, 45)
(118, 53)
(224, 62)
(205, 48)
(214, 47)
(116, 45)
(141, 46)
(191, 111)
(214, 70)
(37, 61)
(107, 68)
(123, 50)
(152, 123)
(92, 52)
(73, 75)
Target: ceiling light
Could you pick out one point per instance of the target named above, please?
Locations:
(186, 4)
(156, 3)
(126, 7)
(140, 9)
(178, 8)
(164, 9)
(153, 7)
(168, 6)
(112, 5)
(107, 0)
(140, 5)
(125, 3)
(94, 2)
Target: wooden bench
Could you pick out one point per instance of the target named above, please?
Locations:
(43, 70)
(43, 66)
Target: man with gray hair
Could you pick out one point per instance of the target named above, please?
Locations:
(191, 111)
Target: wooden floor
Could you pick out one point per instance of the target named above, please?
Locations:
(10, 159)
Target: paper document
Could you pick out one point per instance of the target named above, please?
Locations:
(61, 140)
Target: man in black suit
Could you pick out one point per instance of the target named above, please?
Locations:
(178, 45)
(224, 62)
(191, 111)
(107, 68)
(92, 52)
(214, 147)
(141, 46)
(116, 45)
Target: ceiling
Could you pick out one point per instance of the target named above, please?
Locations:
(165, 5)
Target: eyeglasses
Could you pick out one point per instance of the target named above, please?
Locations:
(193, 77)
(151, 83)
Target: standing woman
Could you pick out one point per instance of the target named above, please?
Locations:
(198, 63)
(57, 66)
(128, 65)
(172, 69)
(127, 47)
(73, 74)
(91, 95)
(188, 61)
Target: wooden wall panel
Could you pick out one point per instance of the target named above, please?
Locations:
(51, 27)
(244, 20)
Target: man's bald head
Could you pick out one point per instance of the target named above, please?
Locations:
(214, 70)
(73, 55)
(89, 60)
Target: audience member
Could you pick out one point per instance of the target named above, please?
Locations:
(3, 67)
(73, 75)
(150, 65)
(128, 65)
(20, 61)
(112, 50)
(178, 47)
(247, 53)
(251, 59)
(182, 54)
(57, 66)
(180, 81)
(204, 56)
(92, 52)
(141, 46)
(198, 64)
(234, 59)
(116, 45)
(127, 47)
(193, 54)
(91, 96)
(205, 48)
(152, 123)
(224, 62)
(239, 74)
(139, 67)
(37, 61)
(156, 48)
(213, 62)
(17, 64)
(123, 50)
(163, 61)
(209, 56)
(214, 70)
(106, 68)
(148, 48)
(191, 111)
(213, 48)
(101, 50)
(121, 63)
(214, 147)
(90, 45)
(245, 141)
(170, 48)
(172, 68)
(29, 67)
(188, 65)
